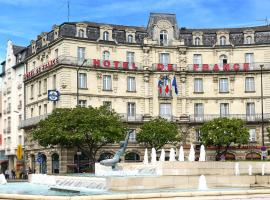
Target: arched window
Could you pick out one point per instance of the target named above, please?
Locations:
(197, 41)
(248, 40)
(105, 155)
(163, 38)
(130, 38)
(222, 40)
(55, 163)
(106, 55)
(132, 157)
(81, 33)
(106, 35)
(223, 59)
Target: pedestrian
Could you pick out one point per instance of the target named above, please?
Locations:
(7, 174)
(13, 174)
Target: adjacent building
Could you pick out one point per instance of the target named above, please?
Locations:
(136, 70)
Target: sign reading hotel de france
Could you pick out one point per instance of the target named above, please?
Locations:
(118, 65)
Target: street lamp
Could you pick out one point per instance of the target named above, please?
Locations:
(78, 80)
(261, 66)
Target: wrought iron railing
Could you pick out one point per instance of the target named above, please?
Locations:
(131, 118)
(32, 121)
(248, 118)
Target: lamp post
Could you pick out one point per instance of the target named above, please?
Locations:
(78, 80)
(261, 66)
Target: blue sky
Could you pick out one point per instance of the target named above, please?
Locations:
(23, 20)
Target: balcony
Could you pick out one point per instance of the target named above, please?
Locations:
(135, 118)
(8, 129)
(8, 109)
(244, 117)
(164, 94)
(32, 121)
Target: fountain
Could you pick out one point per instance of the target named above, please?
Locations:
(162, 156)
(236, 169)
(181, 154)
(202, 183)
(191, 156)
(263, 169)
(2, 179)
(145, 157)
(153, 156)
(250, 170)
(172, 155)
(202, 153)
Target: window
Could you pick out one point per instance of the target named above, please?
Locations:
(223, 85)
(132, 136)
(106, 55)
(198, 111)
(32, 112)
(81, 54)
(39, 110)
(107, 82)
(197, 59)
(198, 135)
(131, 84)
(163, 38)
(56, 53)
(197, 41)
(250, 111)
(224, 109)
(252, 135)
(198, 85)
(32, 91)
(81, 33)
(250, 84)
(249, 58)
(20, 139)
(34, 64)
(223, 60)
(20, 118)
(130, 39)
(54, 82)
(108, 104)
(165, 110)
(164, 58)
(45, 86)
(82, 103)
(39, 87)
(82, 80)
(130, 58)
(9, 123)
(222, 40)
(248, 40)
(106, 35)
(45, 109)
(131, 110)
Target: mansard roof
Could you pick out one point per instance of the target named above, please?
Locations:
(17, 49)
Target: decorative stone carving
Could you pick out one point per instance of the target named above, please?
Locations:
(164, 24)
(99, 75)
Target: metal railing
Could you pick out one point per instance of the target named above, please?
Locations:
(163, 67)
(164, 94)
(248, 118)
(32, 121)
(134, 118)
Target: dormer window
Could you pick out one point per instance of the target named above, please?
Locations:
(197, 41)
(222, 40)
(106, 55)
(130, 38)
(248, 40)
(106, 35)
(81, 33)
(163, 38)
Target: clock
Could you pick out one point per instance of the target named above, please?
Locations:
(53, 95)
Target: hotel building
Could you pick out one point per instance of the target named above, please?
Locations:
(131, 69)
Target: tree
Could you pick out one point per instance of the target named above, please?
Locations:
(158, 132)
(88, 129)
(222, 133)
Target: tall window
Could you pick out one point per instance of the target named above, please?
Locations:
(222, 40)
(224, 109)
(39, 110)
(131, 84)
(198, 85)
(165, 110)
(198, 135)
(32, 91)
(82, 80)
(107, 82)
(45, 109)
(197, 59)
(32, 112)
(106, 55)
(54, 82)
(132, 136)
(163, 38)
(106, 35)
(223, 85)
(131, 110)
(164, 58)
(249, 84)
(39, 87)
(81, 33)
(198, 111)
(82, 103)
(108, 104)
(55, 53)
(45, 86)
(252, 135)
(250, 111)
(197, 41)
(249, 58)
(248, 40)
(130, 58)
(130, 38)
(81, 54)
(223, 60)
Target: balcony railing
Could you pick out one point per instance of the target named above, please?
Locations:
(164, 94)
(248, 118)
(163, 67)
(134, 118)
(8, 130)
(32, 121)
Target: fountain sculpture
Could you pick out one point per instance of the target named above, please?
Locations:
(145, 157)
(172, 155)
(153, 156)
(162, 156)
(181, 154)
(202, 153)
(191, 156)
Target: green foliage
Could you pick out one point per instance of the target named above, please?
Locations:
(158, 132)
(223, 132)
(88, 129)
